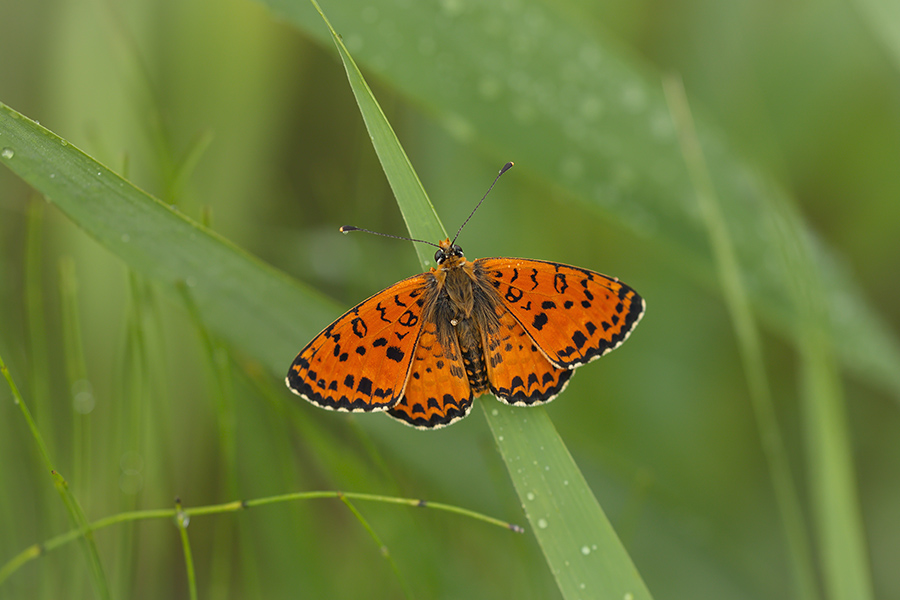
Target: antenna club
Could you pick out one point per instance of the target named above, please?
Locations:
(347, 228)
(507, 167)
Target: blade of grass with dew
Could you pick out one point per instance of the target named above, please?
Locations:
(749, 345)
(579, 544)
(531, 80)
(250, 304)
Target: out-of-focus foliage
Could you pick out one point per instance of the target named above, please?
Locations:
(239, 113)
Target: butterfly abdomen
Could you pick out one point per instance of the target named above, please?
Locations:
(473, 356)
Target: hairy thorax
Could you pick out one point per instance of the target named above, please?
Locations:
(464, 308)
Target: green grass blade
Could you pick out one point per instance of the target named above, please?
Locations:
(580, 546)
(250, 304)
(181, 522)
(582, 549)
(532, 82)
(76, 514)
(750, 346)
(836, 511)
(418, 213)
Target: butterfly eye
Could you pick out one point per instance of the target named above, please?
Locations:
(439, 256)
(456, 250)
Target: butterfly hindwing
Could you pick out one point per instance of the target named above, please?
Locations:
(519, 372)
(362, 360)
(437, 392)
(574, 315)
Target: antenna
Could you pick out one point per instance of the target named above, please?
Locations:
(349, 228)
(505, 168)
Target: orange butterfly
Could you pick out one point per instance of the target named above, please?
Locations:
(425, 347)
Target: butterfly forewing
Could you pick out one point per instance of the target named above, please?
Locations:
(573, 315)
(361, 361)
(519, 372)
(437, 392)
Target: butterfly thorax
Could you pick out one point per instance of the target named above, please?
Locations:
(463, 306)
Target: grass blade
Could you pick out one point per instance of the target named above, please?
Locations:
(582, 550)
(250, 304)
(532, 81)
(734, 291)
(76, 514)
(836, 511)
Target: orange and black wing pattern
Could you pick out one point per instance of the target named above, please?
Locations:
(519, 372)
(573, 315)
(361, 362)
(437, 392)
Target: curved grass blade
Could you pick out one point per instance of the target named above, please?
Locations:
(579, 544)
(251, 305)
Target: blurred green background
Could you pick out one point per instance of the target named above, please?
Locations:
(240, 114)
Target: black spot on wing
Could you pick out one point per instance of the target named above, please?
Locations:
(395, 354)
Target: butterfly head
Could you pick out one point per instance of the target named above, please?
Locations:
(448, 251)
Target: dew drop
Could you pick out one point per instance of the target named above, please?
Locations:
(495, 412)
(585, 550)
(52, 175)
(542, 523)
(131, 483)
(131, 461)
(499, 438)
(83, 397)
(581, 586)
(530, 496)
(7, 153)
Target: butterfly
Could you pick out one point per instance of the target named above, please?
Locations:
(423, 349)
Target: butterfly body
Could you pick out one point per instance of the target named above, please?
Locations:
(424, 348)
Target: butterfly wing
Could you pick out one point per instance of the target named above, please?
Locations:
(519, 372)
(361, 361)
(573, 315)
(437, 392)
